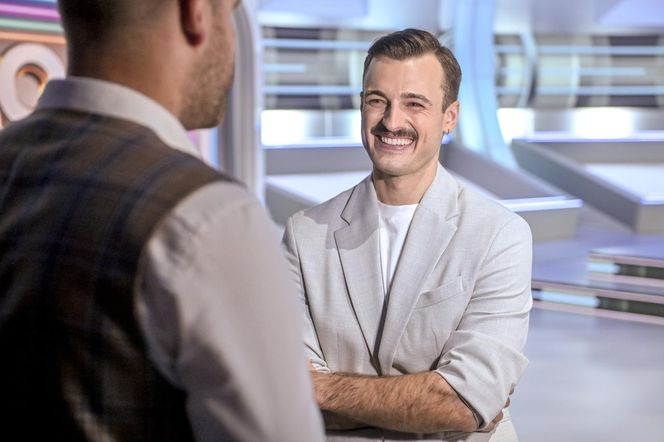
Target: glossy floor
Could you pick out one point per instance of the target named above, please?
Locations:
(591, 379)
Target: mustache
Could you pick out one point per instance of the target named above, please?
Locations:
(380, 130)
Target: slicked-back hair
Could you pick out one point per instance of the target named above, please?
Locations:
(411, 43)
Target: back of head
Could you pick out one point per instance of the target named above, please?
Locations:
(410, 43)
(94, 23)
(179, 53)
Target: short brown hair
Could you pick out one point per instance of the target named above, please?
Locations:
(409, 43)
(95, 21)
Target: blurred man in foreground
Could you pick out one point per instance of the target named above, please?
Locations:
(143, 294)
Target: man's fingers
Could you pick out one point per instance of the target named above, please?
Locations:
(507, 404)
(498, 418)
(489, 428)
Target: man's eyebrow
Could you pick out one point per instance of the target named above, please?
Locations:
(374, 92)
(417, 97)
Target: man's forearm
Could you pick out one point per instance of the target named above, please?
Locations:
(415, 403)
(334, 421)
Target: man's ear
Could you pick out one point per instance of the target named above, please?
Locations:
(361, 101)
(450, 117)
(193, 20)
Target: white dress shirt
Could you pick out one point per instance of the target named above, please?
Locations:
(214, 297)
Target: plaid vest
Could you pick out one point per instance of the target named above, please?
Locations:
(80, 196)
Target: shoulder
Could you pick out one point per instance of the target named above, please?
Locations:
(212, 204)
(209, 221)
(487, 217)
(326, 213)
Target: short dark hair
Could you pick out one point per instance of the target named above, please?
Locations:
(409, 43)
(94, 21)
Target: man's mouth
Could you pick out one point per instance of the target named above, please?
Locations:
(396, 141)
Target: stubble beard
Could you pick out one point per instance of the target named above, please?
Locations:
(206, 96)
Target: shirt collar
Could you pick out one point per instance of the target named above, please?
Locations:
(117, 101)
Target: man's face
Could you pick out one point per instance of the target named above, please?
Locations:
(402, 115)
(213, 75)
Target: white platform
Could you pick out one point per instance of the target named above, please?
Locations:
(317, 187)
(643, 179)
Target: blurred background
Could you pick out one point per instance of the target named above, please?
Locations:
(562, 121)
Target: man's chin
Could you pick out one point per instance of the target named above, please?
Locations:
(388, 171)
(203, 121)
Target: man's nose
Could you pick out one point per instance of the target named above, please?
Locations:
(394, 119)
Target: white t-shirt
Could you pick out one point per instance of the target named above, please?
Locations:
(393, 224)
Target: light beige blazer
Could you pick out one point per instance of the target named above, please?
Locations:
(458, 304)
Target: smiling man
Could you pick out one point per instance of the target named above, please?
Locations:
(416, 290)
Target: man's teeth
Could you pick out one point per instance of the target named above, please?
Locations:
(396, 141)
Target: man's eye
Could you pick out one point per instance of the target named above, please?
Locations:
(375, 102)
(415, 104)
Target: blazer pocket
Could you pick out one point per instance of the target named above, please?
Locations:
(445, 291)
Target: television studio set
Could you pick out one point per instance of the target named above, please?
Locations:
(557, 129)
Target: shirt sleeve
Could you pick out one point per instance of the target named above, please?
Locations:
(313, 351)
(215, 304)
(483, 358)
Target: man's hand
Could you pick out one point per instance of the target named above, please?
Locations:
(489, 428)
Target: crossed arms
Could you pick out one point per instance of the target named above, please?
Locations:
(415, 403)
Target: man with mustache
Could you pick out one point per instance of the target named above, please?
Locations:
(144, 294)
(416, 289)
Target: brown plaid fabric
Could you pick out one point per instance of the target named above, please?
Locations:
(80, 195)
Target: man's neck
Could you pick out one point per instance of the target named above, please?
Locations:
(136, 68)
(402, 190)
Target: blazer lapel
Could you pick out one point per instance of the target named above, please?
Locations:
(431, 230)
(358, 247)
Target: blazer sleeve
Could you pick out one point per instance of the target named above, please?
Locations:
(311, 343)
(483, 358)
